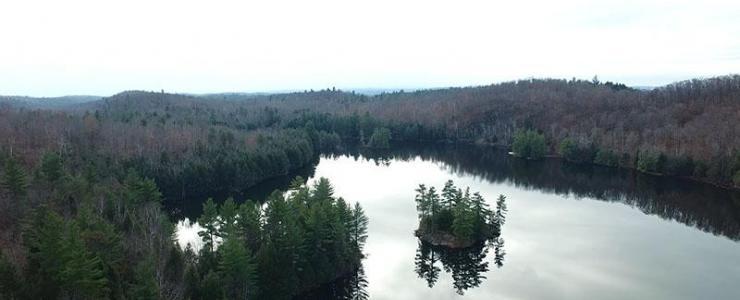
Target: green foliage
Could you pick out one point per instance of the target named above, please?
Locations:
(529, 144)
(144, 285)
(14, 179)
(249, 224)
(380, 138)
(81, 273)
(9, 284)
(227, 222)
(302, 239)
(51, 166)
(358, 229)
(736, 178)
(650, 161)
(142, 190)
(606, 158)
(575, 152)
(237, 270)
(467, 217)
(209, 221)
(464, 220)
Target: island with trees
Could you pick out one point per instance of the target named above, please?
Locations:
(456, 218)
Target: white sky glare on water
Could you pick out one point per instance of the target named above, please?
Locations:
(52, 48)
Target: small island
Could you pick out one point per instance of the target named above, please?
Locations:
(457, 219)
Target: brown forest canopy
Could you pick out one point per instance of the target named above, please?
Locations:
(695, 118)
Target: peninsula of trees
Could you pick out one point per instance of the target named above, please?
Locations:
(456, 218)
(296, 243)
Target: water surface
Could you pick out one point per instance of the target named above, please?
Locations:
(572, 232)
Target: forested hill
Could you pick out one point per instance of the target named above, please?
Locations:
(691, 127)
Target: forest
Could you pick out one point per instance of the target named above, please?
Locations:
(83, 181)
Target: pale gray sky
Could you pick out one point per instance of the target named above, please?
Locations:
(52, 48)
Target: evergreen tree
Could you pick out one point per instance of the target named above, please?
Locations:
(51, 166)
(322, 191)
(9, 283)
(237, 270)
(380, 138)
(82, 273)
(281, 252)
(209, 221)
(14, 179)
(144, 285)
(211, 286)
(249, 222)
(501, 210)
(422, 202)
(43, 235)
(449, 195)
(529, 144)
(227, 222)
(464, 218)
(359, 228)
(481, 211)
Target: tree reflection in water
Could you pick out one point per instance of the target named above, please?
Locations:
(352, 286)
(467, 266)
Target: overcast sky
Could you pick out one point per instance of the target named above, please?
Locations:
(52, 48)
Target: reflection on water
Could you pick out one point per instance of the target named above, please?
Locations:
(574, 231)
(701, 205)
(353, 286)
(466, 266)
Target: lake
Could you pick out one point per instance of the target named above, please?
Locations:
(572, 231)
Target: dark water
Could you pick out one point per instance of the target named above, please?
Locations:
(573, 232)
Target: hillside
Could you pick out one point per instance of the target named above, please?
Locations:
(694, 120)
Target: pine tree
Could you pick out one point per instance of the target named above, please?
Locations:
(51, 166)
(82, 273)
(480, 208)
(145, 284)
(237, 270)
(209, 221)
(42, 238)
(501, 210)
(322, 191)
(422, 203)
(435, 206)
(211, 286)
(249, 222)
(227, 222)
(449, 194)
(281, 251)
(359, 228)
(14, 180)
(463, 219)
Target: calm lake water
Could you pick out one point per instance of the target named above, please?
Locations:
(572, 232)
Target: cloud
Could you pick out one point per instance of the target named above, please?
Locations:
(102, 47)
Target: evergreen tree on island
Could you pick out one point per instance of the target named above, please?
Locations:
(457, 219)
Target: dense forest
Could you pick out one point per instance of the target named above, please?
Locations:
(83, 179)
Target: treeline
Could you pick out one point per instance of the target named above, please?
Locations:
(296, 243)
(693, 119)
(188, 162)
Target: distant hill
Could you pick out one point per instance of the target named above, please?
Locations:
(47, 102)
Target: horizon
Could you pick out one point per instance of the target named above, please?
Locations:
(91, 48)
(369, 91)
